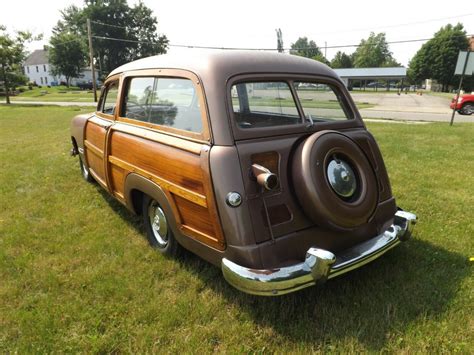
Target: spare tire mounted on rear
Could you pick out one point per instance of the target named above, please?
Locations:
(334, 182)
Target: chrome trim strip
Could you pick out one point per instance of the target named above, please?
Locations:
(319, 264)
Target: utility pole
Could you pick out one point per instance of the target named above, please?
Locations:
(325, 49)
(91, 58)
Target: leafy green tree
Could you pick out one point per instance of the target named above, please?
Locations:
(341, 60)
(12, 55)
(305, 48)
(437, 58)
(373, 52)
(133, 28)
(67, 55)
(321, 58)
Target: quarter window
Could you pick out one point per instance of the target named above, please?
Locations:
(169, 102)
(109, 99)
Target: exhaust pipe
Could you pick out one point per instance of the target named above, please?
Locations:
(265, 177)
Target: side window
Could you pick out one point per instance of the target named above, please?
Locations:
(171, 102)
(109, 98)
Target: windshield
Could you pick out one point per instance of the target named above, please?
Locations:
(267, 104)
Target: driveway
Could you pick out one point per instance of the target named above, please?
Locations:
(409, 107)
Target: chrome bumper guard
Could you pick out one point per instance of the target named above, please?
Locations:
(319, 264)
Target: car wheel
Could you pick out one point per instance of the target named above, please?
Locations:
(86, 174)
(468, 109)
(334, 181)
(157, 228)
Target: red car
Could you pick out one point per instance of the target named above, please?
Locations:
(464, 104)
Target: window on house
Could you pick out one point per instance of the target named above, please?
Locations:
(41, 80)
(27, 68)
(44, 67)
(46, 80)
(37, 69)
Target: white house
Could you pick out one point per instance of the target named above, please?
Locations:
(38, 70)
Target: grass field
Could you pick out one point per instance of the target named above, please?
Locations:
(56, 93)
(76, 273)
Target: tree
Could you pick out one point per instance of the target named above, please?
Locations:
(321, 58)
(305, 48)
(280, 46)
(133, 31)
(12, 55)
(373, 52)
(437, 58)
(341, 60)
(67, 55)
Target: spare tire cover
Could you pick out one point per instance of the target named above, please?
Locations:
(334, 182)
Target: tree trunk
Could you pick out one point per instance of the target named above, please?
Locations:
(5, 84)
(67, 81)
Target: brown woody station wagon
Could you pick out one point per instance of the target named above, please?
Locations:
(259, 163)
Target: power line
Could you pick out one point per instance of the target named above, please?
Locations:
(106, 24)
(396, 25)
(351, 30)
(262, 49)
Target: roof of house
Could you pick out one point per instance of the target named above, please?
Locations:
(372, 73)
(39, 56)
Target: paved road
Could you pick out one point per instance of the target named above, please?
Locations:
(409, 107)
(404, 107)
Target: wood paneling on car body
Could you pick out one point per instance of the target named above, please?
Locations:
(182, 172)
(94, 141)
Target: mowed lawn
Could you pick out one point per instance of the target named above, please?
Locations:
(55, 93)
(76, 273)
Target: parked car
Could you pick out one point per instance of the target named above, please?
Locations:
(86, 85)
(225, 156)
(464, 104)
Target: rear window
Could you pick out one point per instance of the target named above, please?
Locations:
(269, 104)
(264, 104)
(321, 102)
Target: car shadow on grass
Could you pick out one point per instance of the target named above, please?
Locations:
(373, 305)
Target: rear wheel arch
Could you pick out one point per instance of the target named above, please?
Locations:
(135, 189)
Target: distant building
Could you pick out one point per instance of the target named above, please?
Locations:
(38, 70)
(365, 75)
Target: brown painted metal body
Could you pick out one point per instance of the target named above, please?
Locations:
(191, 173)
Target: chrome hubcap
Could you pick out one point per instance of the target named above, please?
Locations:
(159, 225)
(341, 178)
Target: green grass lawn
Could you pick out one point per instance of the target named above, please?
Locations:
(77, 275)
(56, 93)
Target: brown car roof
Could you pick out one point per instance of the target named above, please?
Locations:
(220, 65)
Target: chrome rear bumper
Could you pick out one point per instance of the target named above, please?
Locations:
(319, 264)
